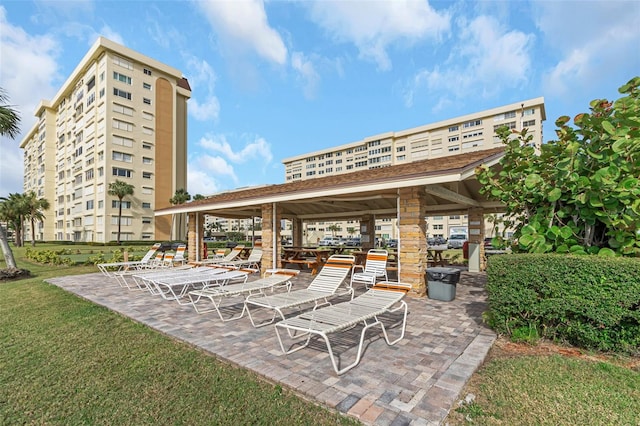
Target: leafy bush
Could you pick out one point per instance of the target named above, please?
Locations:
(589, 302)
(47, 257)
(581, 193)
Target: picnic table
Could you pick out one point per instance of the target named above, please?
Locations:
(313, 258)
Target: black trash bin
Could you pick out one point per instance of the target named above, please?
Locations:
(442, 283)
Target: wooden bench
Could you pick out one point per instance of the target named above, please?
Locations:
(311, 263)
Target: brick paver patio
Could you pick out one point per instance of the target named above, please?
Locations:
(415, 382)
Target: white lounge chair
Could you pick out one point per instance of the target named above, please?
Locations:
(109, 268)
(252, 262)
(228, 258)
(273, 278)
(375, 268)
(363, 310)
(324, 286)
(176, 286)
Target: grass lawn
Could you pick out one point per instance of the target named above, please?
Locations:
(67, 361)
(547, 384)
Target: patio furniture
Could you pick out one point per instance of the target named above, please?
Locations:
(235, 252)
(108, 268)
(363, 310)
(174, 287)
(325, 285)
(375, 268)
(273, 278)
(253, 261)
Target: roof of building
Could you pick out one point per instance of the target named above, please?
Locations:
(372, 190)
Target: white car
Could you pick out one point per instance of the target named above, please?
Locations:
(456, 241)
(329, 241)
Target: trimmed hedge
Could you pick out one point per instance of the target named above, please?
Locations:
(588, 301)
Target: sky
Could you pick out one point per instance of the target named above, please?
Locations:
(280, 78)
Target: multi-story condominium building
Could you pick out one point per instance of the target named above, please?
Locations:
(472, 132)
(120, 115)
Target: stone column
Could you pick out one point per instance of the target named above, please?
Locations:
(191, 236)
(296, 232)
(413, 240)
(476, 233)
(268, 251)
(368, 237)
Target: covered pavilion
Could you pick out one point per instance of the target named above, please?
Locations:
(407, 192)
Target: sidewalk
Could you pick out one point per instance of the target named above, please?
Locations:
(415, 382)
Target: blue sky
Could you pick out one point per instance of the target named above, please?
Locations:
(274, 79)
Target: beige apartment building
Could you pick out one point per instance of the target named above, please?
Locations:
(119, 115)
(472, 132)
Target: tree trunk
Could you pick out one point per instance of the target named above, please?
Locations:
(119, 218)
(6, 250)
(33, 233)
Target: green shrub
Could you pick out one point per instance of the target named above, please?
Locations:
(588, 301)
(47, 257)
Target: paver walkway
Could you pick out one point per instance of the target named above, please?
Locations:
(415, 382)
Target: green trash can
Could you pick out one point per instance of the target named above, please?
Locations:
(442, 283)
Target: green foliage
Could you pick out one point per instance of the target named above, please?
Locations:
(581, 193)
(47, 257)
(590, 302)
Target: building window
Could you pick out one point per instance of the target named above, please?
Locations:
(528, 123)
(125, 204)
(90, 205)
(146, 160)
(146, 86)
(122, 125)
(146, 101)
(472, 123)
(122, 156)
(146, 71)
(146, 146)
(146, 220)
(146, 205)
(123, 109)
(119, 140)
(122, 93)
(146, 175)
(116, 171)
(121, 77)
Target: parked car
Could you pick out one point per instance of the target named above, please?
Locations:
(456, 241)
(169, 245)
(329, 241)
(436, 241)
(393, 243)
(488, 245)
(353, 242)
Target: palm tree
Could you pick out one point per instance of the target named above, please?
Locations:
(13, 211)
(33, 212)
(198, 197)
(180, 197)
(10, 127)
(120, 189)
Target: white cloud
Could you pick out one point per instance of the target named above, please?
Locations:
(595, 40)
(258, 148)
(242, 25)
(28, 69)
(486, 59)
(374, 26)
(207, 110)
(202, 78)
(199, 182)
(307, 73)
